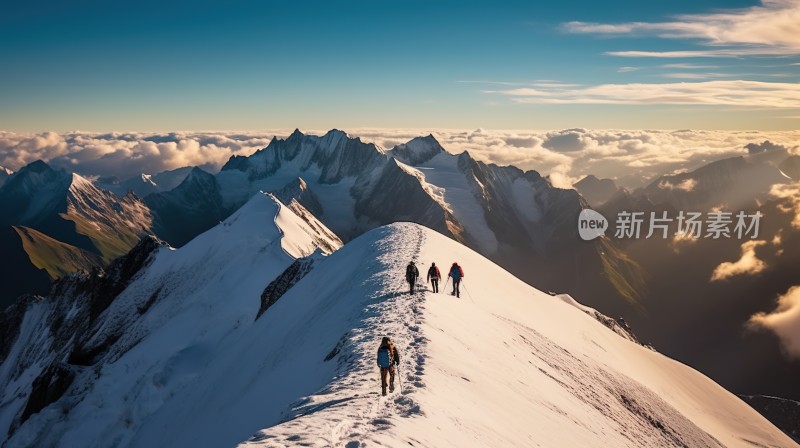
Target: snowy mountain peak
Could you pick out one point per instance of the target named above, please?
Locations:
(330, 158)
(262, 219)
(32, 193)
(81, 183)
(337, 133)
(298, 190)
(38, 175)
(335, 139)
(418, 150)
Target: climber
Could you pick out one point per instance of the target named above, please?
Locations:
(412, 274)
(433, 277)
(387, 359)
(456, 273)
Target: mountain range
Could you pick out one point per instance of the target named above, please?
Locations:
(144, 184)
(340, 186)
(252, 335)
(515, 218)
(55, 222)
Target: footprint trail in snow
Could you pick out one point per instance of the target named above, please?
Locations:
(351, 409)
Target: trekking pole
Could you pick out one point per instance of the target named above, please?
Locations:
(467, 291)
(445, 284)
(399, 379)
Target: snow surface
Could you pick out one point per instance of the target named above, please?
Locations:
(209, 292)
(505, 365)
(339, 204)
(29, 331)
(443, 172)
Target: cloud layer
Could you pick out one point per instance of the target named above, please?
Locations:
(126, 154)
(784, 321)
(630, 157)
(771, 28)
(736, 93)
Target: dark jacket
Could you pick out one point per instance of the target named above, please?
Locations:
(433, 273)
(412, 273)
(456, 272)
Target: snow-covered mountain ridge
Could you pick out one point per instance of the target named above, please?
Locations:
(515, 218)
(505, 365)
(59, 350)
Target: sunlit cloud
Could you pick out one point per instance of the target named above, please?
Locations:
(126, 154)
(737, 93)
(682, 54)
(748, 264)
(771, 28)
(629, 157)
(696, 75)
(686, 185)
(784, 321)
(498, 83)
(689, 66)
(790, 193)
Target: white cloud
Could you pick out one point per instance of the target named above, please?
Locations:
(748, 264)
(784, 321)
(126, 154)
(771, 28)
(718, 93)
(696, 75)
(681, 54)
(686, 185)
(627, 69)
(630, 157)
(688, 66)
(791, 205)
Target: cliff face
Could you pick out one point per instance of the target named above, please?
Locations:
(46, 342)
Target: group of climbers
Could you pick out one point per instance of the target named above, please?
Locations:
(456, 273)
(388, 356)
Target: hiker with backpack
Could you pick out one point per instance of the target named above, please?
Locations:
(388, 357)
(456, 273)
(412, 274)
(433, 277)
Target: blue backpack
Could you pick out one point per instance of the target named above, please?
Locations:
(384, 358)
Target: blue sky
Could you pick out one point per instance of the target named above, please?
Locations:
(158, 66)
